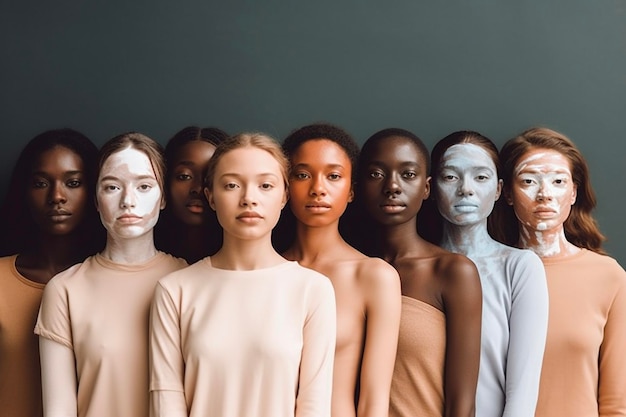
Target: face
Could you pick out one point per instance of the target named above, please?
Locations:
(320, 186)
(58, 194)
(542, 190)
(395, 181)
(187, 201)
(467, 184)
(128, 195)
(248, 193)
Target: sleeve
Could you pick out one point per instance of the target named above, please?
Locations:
(53, 321)
(167, 369)
(58, 379)
(612, 361)
(528, 325)
(318, 353)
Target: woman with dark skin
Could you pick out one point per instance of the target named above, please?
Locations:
(49, 223)
(439, 345)
(188, 228)
(367, 289)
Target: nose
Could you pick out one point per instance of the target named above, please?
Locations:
(544, 193)
(465, 187)
(391, 186)
(128, 199)
(317, 187)
(196, 186)
(248, 197)
(57, 194)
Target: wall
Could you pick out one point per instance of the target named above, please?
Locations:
(430, 67)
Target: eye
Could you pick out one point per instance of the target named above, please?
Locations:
(231, 186)
(37, 183)
(74, 183)
(267, 186)
(301, 176)
(377, 175)
(409, 175)
(334, 176)
(183, 177)
(110, 187)
(145, 187)
(482, 177)
(448, 177)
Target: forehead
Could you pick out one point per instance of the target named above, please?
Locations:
(467, 155)
(543, 160)
(397, 148)
(322, 151)
(56, 157)
(129, 160)
(248, 160)
(197, 151)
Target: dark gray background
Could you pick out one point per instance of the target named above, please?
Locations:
(428, 66)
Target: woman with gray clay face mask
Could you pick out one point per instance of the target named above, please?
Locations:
(465, 168)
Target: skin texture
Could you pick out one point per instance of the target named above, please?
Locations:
(187, 201)
(128, 195)
(57, 201)
(248, 194)
(542, 194)
(394, 184)
(129, 200)
(367, 290)
(467, 187)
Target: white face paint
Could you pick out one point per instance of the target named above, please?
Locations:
(466, 185)
(128, 194)
(542, 190)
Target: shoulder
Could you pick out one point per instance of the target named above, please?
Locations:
(172, 262)
(376, 270)
(454, 265)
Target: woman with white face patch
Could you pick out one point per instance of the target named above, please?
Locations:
(465, 169)
(548, 188)
(93, 319)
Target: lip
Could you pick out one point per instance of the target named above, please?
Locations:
(129, 218)
(545, 212)
(391, 207)
(318, 207)
(466, 208)
(195, 206)
(249, 216)
(58, 216)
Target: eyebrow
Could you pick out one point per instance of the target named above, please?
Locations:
(334, 166)
(138, 177)
(44, 173)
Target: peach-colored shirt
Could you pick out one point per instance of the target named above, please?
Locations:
(20, 378)
(584, 366)
(100, 310)
(253, 343)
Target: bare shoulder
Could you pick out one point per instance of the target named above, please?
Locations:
(376, 270)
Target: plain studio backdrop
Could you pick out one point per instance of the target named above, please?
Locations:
(432, 67)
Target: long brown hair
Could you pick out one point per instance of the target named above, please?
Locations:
(581, 229)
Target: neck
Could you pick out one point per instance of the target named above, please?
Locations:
(546, 243)
(136, 250)
(246, 255)
(399, 241)
(469, 240)
(315, 242)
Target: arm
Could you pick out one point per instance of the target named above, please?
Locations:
(383, 306)
(528, 326)
(318, 353)
(612, 360)
(167, 370)
(462, 298)
(58, 379)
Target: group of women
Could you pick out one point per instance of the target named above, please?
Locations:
(236, 276)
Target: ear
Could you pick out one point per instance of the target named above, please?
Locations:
(95, 203)
(427, 188)
(574, 194)
(285, 199)
(163, 203)
(209, 196)
(507, 195)
(351, 195)
(499, 189)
